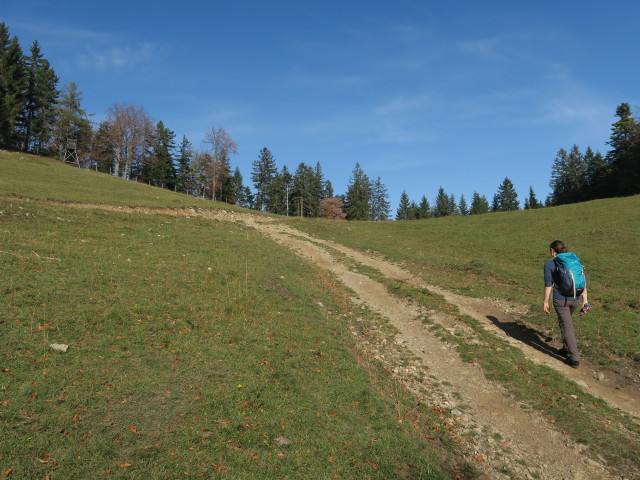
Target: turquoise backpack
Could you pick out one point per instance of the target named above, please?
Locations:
(570, 278)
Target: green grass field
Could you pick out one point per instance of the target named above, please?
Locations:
(502, 255)
(195, 348)
(198, 348)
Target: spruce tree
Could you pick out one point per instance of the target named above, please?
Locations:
(72, 122)
(463, 208)
(262, 176)
(280, 193)
(442, 206)
(241, 195)
(303, 195)
(624, 156)
(479, 204)
(596, 173)
(159, 168)
(453, 207)
(506, 199)
(402, 213)
(559, 184)
(184, 179)
(531, 202)
(38, 115)
(424, 209)
(358, 197)
(13, 85)
(380, 206)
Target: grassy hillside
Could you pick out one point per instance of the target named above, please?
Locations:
(29, 176)
(502, 254)
(195, 348)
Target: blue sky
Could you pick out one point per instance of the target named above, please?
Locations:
(458, 94)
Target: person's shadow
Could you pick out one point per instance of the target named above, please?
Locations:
(528, 336)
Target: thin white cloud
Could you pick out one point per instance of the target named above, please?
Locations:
(485, 48)
(119, 58)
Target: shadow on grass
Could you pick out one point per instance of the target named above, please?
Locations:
(528, 336)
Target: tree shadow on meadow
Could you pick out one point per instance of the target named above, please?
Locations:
(528, 336)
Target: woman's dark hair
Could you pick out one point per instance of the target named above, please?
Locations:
(558, 246)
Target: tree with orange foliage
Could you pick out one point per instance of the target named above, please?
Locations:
(331, 208)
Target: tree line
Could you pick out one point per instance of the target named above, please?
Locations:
(37, 117)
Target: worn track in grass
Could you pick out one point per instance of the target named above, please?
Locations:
(509, 442)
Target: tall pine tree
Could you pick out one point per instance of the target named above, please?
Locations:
(624, 156)
(39, 112)
(442, 206)
(358, 197)
(13, 85)
(72, 122)
(262, 176)
(479, 204)
(380, 206)
(403, 211)
(184, 178)
(506, 199)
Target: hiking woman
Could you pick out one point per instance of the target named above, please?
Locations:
(564, 305)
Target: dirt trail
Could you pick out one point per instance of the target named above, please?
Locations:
(510, 441)
(527, 446)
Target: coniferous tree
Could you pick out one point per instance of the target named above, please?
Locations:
(479, 204)
(495, 204)
(380, 206)
(531, 202)
(102, 152)
(317, 191)
(453, 207)
(506, 199)
(442, 207)
(262, 176)
(184, 178)
(303, 195)
(328, 189)
(624, 156)
(558, 183)
(39, 111)
(424, 209)
(568, 176)
(159, 168)
(358, 197)
(280, 193)
(414, 211)
(463, 208)
(402, 213)
(596, 174)
(72, 122)
(240, 194)
(13, 84)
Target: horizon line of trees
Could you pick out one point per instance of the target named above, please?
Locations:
(38, 118)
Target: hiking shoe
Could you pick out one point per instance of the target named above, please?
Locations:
(585, 309)
(573, 363)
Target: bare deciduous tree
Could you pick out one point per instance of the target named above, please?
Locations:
(129, 129)
(221, 147)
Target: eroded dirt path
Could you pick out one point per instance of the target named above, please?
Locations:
(527, 446)
(503, 440)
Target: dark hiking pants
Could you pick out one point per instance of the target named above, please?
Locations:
(565, 309)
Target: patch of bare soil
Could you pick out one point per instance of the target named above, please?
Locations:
(499, 437)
